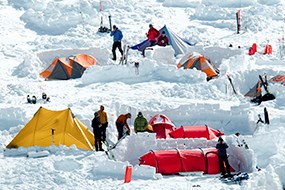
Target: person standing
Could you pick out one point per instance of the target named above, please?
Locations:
(121, 122)
(103, 121)
(162, 40)
(223, 157)
(97, 132)
(152, 35)
(117, 38)
(141, 123)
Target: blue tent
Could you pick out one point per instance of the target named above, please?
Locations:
(179, 45)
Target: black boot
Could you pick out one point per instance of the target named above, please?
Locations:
(28, 99)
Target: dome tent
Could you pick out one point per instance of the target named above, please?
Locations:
(67, 68)
(194, 60)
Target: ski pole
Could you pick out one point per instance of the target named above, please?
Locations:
(110, 22)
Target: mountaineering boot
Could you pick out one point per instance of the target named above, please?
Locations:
(44, 95)
(28, 99)
(34, 100)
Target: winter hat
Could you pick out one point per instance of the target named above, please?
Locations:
(140, 114)
(129, 115)
(220, 139)
(150, 25)
(114, 26)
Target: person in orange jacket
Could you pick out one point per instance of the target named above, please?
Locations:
(121, 122)
(104, 121)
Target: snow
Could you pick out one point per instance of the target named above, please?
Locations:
(35, 32)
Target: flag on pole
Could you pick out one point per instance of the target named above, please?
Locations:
(100, 9)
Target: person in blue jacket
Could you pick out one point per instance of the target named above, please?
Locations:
(117, 38)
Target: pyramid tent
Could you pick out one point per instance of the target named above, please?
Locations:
(67, 68)
(48, 127)
(255, 91)
(194, 60)
(179, 45)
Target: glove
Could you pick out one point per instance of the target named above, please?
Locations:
(128, 132)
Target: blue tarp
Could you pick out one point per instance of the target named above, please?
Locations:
(179, 44)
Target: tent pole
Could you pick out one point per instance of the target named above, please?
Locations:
(52, 135)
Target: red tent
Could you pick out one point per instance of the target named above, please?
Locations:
(195, 132)
(252, 50)
(161, 125)
(267, 49)
(174, 161)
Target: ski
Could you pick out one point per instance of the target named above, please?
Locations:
(123, 56)
(109, 153)
(126, 55)
(232, 84)
(264, 84)
(266, 117)
(268, 95)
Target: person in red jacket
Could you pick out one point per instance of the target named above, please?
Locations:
(121, 122)
(152, 36)
(162, 40)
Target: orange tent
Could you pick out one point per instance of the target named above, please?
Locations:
(70, 67)
(191, 60)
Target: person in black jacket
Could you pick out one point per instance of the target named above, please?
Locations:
(97, 132)
(223, 157)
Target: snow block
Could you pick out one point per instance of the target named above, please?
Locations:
(34, 154)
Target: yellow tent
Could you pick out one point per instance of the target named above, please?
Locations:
(49, 127)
